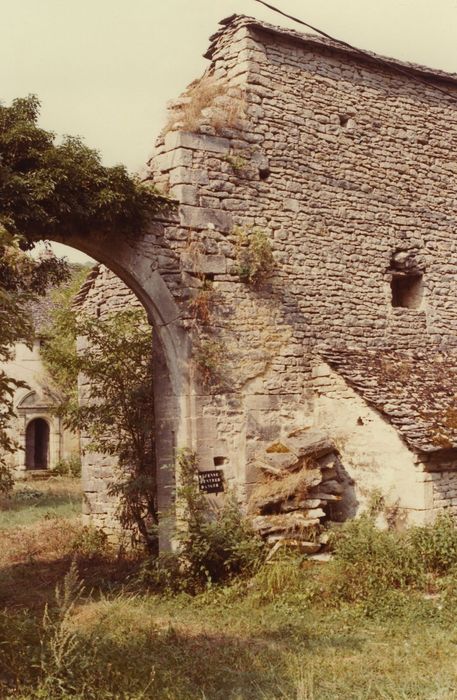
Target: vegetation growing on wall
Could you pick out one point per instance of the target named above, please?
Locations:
(254, 256)
(208, 360)
(206, 100)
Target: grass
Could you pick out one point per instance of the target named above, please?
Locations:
(289, 632)
(32, 501)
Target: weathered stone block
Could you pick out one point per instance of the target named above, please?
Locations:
(185, 194)
(196, 217)
(180, 157)
(196, 142)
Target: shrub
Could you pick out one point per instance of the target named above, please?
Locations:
(214, 545)
(370, 560)
(202, 304)
(435, 545)
(208, 362)
(254, 255)
(68, 467)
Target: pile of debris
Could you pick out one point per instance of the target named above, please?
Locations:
(302, 487)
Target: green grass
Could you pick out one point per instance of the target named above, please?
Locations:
(33, 501)
(292, 632)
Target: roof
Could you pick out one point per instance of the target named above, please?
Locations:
(234, 22)
(414, 390)
(86, 286)
(42, 307)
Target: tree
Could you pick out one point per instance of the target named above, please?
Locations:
(117, 409)
(58, 351)
(21, 280)
(48, 190)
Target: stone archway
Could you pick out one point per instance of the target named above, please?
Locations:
(135, 262)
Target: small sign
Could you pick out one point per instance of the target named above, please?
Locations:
(211, 481)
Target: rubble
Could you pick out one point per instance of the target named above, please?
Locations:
(302, 479)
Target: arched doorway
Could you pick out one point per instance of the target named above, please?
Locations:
(135, 262)
(37, 444)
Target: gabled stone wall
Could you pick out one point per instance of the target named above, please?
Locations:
(347, 166)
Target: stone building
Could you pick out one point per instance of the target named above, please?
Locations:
(345, 163)
(40, 434)
(101, 295)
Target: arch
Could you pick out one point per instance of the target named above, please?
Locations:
(37, 435)
(135, 260)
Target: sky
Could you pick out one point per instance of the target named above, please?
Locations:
(105, 69)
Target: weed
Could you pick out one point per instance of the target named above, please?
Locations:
(254, 256)
(202, 304)
(208, 362)
(59, 642)
(237, 162)
(199, 96)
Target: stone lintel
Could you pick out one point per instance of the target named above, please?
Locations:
(201, 218)
(196, 142)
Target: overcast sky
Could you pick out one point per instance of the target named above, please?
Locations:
(105, 69)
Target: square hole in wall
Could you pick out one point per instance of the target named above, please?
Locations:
(219, 461)
(407, 291)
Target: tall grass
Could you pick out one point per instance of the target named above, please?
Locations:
(377, 622)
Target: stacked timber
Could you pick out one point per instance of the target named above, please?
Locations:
(301, 482)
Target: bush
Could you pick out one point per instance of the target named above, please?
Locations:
(435, 545)
(254, 256)
(369, 560)
(68, 467)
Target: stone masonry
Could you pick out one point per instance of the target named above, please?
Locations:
(347, 166)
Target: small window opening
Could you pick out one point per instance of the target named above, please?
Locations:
(344, 119)
(264, 173)
(407, 291)
(219, 461)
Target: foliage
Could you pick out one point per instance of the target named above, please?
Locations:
(68, 467)
(58, 350)
(117, 411)
(202, 304)
(254, 255)
(208, 361)
(370, 561)
(237, 161)
(49, 189)
(273, 636)
(22, 279)
(59, 641)
(214, 545)
(435, 545)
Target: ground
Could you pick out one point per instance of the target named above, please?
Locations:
(274, 636)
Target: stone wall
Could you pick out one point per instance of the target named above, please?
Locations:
(102, 295)
(347, 166)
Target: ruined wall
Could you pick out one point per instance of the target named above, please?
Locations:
(372, 451)
(103, 294)
(349, 169)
